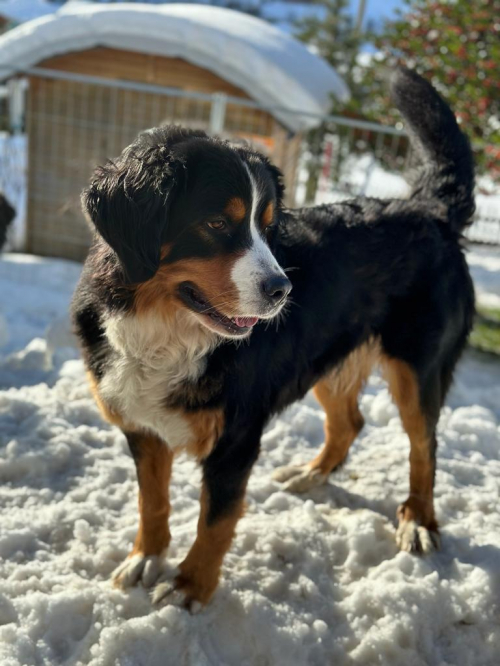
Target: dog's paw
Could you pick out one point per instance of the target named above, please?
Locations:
(176, 590)
(137, 568)
(282, 474)
(414, 538)
(168, 593)
(299, 478)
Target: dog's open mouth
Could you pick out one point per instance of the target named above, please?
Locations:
(196, 301)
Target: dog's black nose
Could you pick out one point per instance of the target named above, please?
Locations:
(276, 288)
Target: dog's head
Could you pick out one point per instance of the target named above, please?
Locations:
(192, 221)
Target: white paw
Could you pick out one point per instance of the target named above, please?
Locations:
(168, 593)
(282, 474)
(137, 568)
(299, 478)
(413, 538)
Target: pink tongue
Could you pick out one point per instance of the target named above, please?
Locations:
(245, 322)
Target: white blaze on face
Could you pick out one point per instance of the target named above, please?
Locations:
(256, 264)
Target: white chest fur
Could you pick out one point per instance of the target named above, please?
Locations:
(153, 358)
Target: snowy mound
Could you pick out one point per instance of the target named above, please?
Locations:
(272, 67)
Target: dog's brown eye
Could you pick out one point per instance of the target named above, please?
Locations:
(219, 224)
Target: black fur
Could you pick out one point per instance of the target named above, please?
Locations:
(141, 200)
(7, 214)
(393, 270)
(446, 176)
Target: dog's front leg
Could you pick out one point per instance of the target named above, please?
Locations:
(153, 460)
(225, 476)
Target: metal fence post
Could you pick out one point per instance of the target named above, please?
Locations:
(16, 105)
(217, 113)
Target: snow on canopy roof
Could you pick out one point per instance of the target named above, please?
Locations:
(273, 68)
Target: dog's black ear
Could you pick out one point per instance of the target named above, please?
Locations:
(278, 180)
(128, 201)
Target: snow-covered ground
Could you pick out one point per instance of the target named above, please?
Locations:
(484, 263)
(309, 580)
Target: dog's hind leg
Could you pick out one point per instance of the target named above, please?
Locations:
(337, 393)
(342, 425)
(419, 404)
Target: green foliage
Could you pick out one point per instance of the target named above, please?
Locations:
(333, 37)
(457, 46)
(486, 333)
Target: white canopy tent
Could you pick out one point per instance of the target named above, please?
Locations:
(273, 68)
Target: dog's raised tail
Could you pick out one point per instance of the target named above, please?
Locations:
(447, 170)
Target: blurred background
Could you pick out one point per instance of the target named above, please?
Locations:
(304, 82)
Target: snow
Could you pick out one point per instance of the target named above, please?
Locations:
(280, 12)
(35, 294)
(364, 175)
(309, 580)
(283, 72)
(484, 263)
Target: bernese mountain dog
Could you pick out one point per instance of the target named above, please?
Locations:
(205, 307)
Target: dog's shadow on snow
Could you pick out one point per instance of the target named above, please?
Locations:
(341, 498)
(448, 562)
(457, 552)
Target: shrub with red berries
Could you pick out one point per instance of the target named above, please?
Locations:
(456, 45)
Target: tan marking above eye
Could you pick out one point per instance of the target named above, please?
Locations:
(268, 215)
(236, 209)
